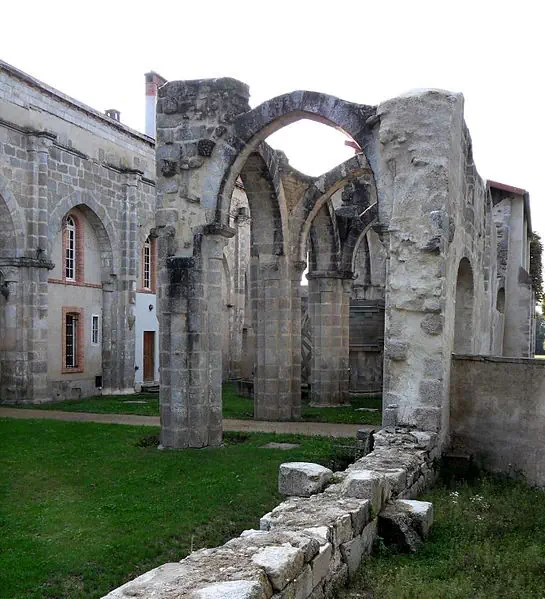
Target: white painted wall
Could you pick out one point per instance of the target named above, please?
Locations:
(146, 320)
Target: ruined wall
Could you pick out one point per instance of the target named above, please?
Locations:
(497, 413)
(513, 254)
(434, 210)
(307, 546)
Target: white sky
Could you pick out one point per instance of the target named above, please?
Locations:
(362, 51)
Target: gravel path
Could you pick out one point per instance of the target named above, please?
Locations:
(305, 428)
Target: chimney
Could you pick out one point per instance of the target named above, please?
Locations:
(113, 114)
(153, 82)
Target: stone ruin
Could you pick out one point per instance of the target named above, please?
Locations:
(412, 181)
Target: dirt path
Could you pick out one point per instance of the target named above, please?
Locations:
(305, 428)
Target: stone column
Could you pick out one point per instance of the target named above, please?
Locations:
(191, 344)
(119, 302)
(297, 270)
(109, 335)
(194, 132)
(273, 318)
(329, 305)
(31, 287)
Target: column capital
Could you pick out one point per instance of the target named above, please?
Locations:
(219, 229)
(40, 141)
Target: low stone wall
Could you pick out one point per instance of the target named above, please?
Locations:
(307, 546)
(497, 413)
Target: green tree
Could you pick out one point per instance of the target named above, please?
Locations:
(536, 272)
(540, 334)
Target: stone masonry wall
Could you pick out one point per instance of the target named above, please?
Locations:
(307, 546)
(434, 211)
(56, 154)
(497, 413)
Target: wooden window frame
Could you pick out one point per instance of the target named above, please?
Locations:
(93, 342)
(78, 266)
(80, 332)
(151, 288)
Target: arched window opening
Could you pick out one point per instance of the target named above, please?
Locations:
(70, 256)
(148, 265)
(463, 325)
(500, 301)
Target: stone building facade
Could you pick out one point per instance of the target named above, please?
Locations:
(77, 198)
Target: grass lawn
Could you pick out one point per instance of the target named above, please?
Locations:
(85, 507)
(234, 406)
(488, 542)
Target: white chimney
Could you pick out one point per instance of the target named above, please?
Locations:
(153, 82)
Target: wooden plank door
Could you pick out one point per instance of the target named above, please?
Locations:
(149, 356)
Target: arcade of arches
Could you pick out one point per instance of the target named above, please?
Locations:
(125, 262)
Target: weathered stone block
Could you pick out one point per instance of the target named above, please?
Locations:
(421, 513)
(320, 564)
(405, 523)
(233, 589)
(367, 484)
(302, 479)
(281, 564)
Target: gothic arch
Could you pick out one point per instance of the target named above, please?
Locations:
(253, 127)
(356, 234)
(464, 310)
(267, 204)
(319, 193)
(98, 219)
(325, 244)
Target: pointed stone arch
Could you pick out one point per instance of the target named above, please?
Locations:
(100, 222)
(324, 241)
(253, 127)
(319, 193)
(464, 309)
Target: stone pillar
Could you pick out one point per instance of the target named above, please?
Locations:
(191, 343)
(344, 360)
(329, 306)
(119, 302)
(273, 320)
(23, 322)
(109, 335)
(297, 270)
(194, 132)
(29, 292)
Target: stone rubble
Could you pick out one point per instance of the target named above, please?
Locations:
(308, 547)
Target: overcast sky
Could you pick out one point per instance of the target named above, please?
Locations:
(367, 52)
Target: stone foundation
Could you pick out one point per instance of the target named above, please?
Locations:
(308, 546)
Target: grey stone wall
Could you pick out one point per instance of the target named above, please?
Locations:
(57, 154)
(497, 413)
